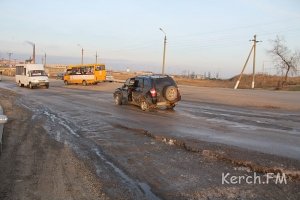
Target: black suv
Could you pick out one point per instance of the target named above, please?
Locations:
(148, 92)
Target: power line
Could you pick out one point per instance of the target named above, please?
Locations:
(243, 27)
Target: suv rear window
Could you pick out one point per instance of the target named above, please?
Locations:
(162, 82)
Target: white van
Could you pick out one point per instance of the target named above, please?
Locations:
(31, 75)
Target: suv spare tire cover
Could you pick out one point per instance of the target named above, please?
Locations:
(170, 93)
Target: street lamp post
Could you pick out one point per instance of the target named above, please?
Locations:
(81, 53)
(164, 54)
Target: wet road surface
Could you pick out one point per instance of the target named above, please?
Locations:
(268, 131)
(162, 153)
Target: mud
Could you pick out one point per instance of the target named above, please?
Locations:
(34, 166)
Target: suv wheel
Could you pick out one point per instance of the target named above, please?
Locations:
(171, 93)
(144, 106)
(118, 99)
(84, 83)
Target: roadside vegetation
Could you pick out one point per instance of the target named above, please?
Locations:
(263, 81)
(284, 59)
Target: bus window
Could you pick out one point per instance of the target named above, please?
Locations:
(100, 67)
(87, 70)
(69, 72)
(75, 71)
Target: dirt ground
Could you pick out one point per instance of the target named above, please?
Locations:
(33, 166)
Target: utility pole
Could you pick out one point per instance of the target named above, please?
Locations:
(33, 54)
(45, 60)
(253, 48)
(164, 54)
(254, 56)
(81, 53)
(238, 81)
(96, 57)
(82, 56)
(9, 57)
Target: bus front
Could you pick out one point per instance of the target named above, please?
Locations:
(100, 72)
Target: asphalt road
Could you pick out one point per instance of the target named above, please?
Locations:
(266, 130)
(130, 142)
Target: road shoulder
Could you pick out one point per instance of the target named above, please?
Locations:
(34, 166)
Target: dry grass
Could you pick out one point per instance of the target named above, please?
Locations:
(53, 71)
(261, 81)
(204, 83)
(8, 71)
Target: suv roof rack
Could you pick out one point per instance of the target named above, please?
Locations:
(155, 76)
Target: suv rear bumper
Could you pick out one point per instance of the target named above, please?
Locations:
(164, 103)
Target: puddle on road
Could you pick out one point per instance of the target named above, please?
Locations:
(233, 124)
(61, 122)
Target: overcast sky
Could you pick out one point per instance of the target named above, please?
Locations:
(202, 35)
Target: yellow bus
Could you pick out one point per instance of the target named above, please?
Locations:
(85, 74)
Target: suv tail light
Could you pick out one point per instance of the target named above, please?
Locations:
(153, 92)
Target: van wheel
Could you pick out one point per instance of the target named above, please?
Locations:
(84, 83)
(66, 82)
(144, 106)
(30, 86)
(47, 86)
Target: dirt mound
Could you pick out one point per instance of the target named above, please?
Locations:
(261, 81)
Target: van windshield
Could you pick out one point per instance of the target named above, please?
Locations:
(37, 73)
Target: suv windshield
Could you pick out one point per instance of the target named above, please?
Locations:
(37, 73)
